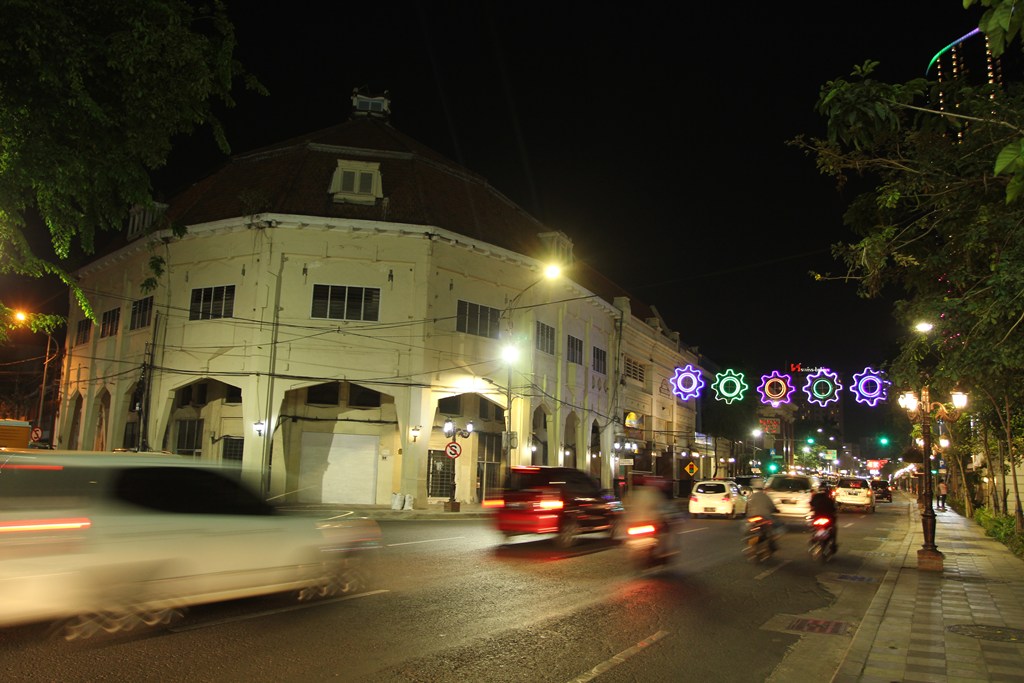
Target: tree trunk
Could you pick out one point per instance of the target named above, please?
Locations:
(967, 495)
(1018, 513)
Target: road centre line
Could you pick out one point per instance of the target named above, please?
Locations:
(271, 612)
(690, 531)
(428, 540)
(619, 658)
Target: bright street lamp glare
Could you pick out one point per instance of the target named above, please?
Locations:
(20, 316)
(923, 327)
(510, 354)
(552, 271)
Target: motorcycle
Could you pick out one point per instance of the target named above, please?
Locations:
(820, 543)
(757, 542)
(647, 544)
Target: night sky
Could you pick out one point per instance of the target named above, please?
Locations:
(653, 136)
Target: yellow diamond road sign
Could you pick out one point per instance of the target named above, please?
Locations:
(691, 468)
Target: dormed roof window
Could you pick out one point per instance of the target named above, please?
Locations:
(356, 182)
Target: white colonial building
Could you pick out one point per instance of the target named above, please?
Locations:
(335, 299)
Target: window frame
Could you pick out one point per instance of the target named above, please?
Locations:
(368, 310)
(204, 299)
(142, 313)
(110, 322)
(545, 338)
(574, 350)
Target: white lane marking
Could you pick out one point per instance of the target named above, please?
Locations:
(690, 531)
(769, 572)
(428, 540)
(619, 658)
(848, 524)
(271, 612)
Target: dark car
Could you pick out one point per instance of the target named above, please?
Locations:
(883, 491)
(555, 500)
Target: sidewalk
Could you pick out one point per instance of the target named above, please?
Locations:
(963, 624)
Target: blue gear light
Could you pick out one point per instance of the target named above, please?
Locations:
(870, 387)
(687, 382)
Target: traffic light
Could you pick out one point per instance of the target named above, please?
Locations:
(810, 439)
(883, 440)
(773, 468)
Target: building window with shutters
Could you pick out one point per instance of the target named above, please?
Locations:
(545, 338)
(339, 302)
(483, 321)
(209, 303)
(142, 313)
(109, 322)
(574, 351)
(634, 370)
(600, 361)
(356, 182)
(83, 332)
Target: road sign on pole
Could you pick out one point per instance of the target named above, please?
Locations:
(453, 449)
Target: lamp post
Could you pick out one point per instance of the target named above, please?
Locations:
(510, 355)
(452, 431)
(929, 557)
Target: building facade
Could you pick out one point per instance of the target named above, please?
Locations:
(318, 310)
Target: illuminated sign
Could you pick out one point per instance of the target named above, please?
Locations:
(729, 386)
(775, 389)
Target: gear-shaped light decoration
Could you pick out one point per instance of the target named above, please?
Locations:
(870, 387)
(776, 389)
(729, 386)
(687, 382)
(822, 387)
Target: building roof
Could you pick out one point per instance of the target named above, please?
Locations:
(420, 187)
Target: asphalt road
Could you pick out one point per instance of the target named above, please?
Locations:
(449, 602)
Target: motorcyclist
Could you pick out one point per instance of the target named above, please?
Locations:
(823, 505)
(760, 504)
(647, 502)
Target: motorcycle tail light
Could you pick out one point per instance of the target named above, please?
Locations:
(821, 521)
(755, 519)
(639, 530)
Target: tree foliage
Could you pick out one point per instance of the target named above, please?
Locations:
(91, 96)
(936, 171)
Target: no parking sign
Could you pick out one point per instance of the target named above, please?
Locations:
(453, 449)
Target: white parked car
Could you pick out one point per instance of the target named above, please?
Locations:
(106, 542)
(720, 497)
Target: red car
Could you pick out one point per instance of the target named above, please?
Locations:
(555, 500)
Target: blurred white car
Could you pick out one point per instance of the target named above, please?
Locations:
(104, 542)
(717, 497)
(792, 493)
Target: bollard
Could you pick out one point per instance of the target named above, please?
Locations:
(396, 501)
(408, 502)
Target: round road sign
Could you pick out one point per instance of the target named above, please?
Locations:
(37, 433)
(453, 449)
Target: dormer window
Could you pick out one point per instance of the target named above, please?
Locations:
(356, 182)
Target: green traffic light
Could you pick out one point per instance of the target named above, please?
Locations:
(884, 440)
(772, 467)
(810, 439)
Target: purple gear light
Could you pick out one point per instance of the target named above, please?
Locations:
(775, 389)
(687, 382)
(870, 387)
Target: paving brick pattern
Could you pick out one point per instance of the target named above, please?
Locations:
(963, 624)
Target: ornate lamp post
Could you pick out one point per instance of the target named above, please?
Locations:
(452, 431)
(929, 557)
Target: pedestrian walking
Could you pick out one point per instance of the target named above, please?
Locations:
(943, 490)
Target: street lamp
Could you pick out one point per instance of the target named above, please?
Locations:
(21, 317)
(929, 557)
(453, 431)
(510, 355)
